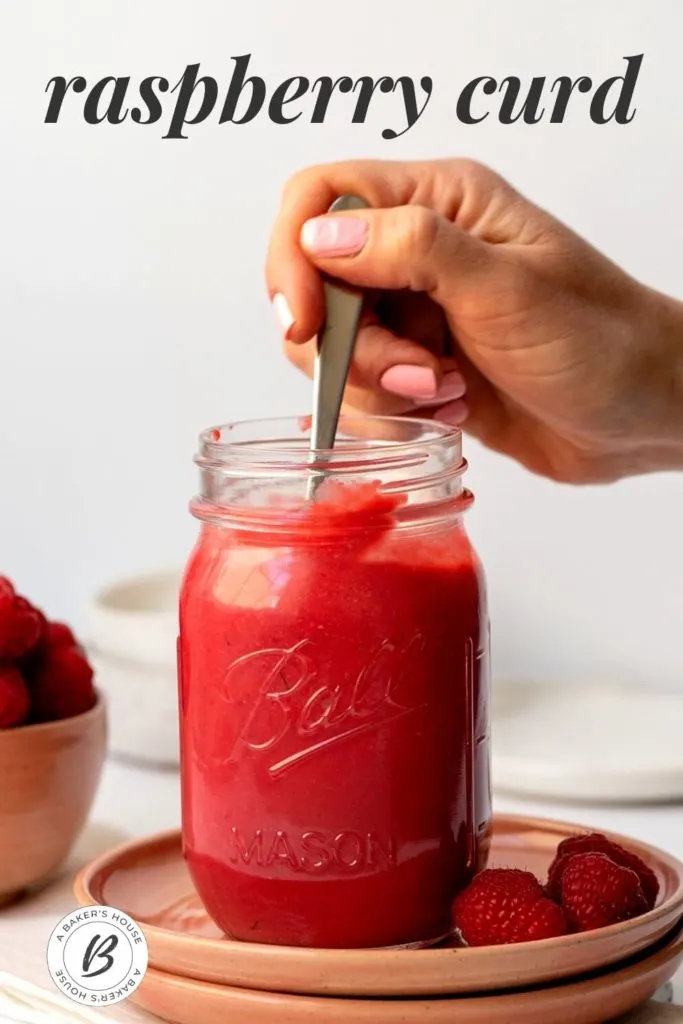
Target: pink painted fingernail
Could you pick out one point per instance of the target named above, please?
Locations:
(283, 313)
(334, 236)
(452, 386)
(453, 413)
(416, 382)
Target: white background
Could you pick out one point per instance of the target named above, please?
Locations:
(133, 313)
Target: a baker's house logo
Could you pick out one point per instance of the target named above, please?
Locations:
(97, 956)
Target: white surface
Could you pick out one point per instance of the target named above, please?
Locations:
(23, 1003)
(134, 313)
(136, 802)
(591, 742)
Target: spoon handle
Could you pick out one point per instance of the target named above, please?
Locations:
(336, 342)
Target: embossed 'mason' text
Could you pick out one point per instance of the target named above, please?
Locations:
(311, 852)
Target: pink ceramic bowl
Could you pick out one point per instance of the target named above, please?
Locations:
(49, 775)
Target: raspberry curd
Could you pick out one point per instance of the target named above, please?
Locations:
(334, 691)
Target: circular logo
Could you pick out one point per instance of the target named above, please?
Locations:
(97, 956)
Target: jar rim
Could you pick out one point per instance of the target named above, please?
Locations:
(222, 443)
(257, 472)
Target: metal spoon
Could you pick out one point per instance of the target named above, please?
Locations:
(336, 342)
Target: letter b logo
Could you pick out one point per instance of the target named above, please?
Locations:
(97, 956)
(99, 950)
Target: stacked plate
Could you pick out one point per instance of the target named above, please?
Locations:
(198, 977)
(532, 757)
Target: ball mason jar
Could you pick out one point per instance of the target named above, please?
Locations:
(334, 686)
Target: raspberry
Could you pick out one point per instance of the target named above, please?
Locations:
(595, 842)
(519, 883)
(59, 635)
(596, 892)
(6, 596)
(21, 625)
(55, 634)
(504, 905)
(62, 684)
(25, 608)
(539, 919)
(15, 702)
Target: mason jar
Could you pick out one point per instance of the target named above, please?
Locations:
(334, 685)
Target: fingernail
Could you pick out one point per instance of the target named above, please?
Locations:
(416, 382)
(334, 236)
(453, 413)
(452, 386)
(283, 313)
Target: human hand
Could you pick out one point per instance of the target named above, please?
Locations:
(485, 311)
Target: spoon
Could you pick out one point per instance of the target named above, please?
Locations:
(335, 347)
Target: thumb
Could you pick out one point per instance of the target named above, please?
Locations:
(403, 247)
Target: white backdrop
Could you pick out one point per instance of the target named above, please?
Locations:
(132, 309)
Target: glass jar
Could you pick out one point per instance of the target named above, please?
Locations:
(334, 690)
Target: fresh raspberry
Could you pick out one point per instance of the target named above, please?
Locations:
(520, 883)
(15, 702)
(503, 905)
(596, 892)
(55, 634)
(539, 919)
(21, 625)
(595, 842)
(61, 685)
(59, 635)
(7, 596)
(26, 608)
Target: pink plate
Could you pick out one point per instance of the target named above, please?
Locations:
(148, 879)
(589, 1001)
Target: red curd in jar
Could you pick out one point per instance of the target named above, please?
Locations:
(334, 687)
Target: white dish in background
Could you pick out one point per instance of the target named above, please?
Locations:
(132, 628)
(595, 742)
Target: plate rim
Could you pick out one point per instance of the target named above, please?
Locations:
(670, 948)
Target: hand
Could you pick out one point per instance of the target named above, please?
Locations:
(485, 311)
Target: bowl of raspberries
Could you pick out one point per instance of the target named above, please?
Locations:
(52, 742)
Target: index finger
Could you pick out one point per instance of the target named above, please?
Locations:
(310, 193)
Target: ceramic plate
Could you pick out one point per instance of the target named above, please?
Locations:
(532, 757)
(589, 1001)
(148, 880)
